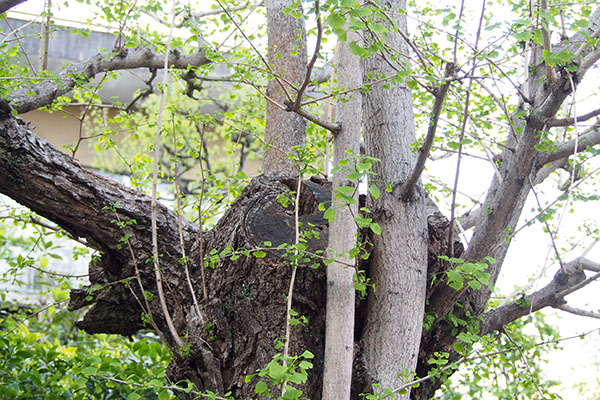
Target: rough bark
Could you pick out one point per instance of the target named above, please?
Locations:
(399, 258)
(339, 343)
(287, 59)
(246, 296)
(246, 304)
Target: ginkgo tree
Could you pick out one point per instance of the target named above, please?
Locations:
(305, 288)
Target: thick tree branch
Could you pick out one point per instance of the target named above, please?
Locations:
(91, 206)
(42, 94)
(551, 295)
(505, 200)
(440, 96)
(519, 162)
(571, 121)
(312, 61)
(566, 149)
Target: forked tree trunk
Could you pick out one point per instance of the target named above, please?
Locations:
(399, 258)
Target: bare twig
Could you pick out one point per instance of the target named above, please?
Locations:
(168, 387)
(462, 133)
(520, 350)
(181, 241)
(548, 229)
(578, 311)
(45, 36)
(202, 266)
(333, 127)
(155, 254)
(288, 325)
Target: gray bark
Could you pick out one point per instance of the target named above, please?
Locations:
(339, 339)
(506, 197)
(287, 58)
(39, 95)
(399, 258)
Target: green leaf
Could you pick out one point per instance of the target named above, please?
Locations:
(276, 370)
(89, 371)
(458, 347)
(361, 12)
(259, 254)
(261, 388)
(330, 214)
(376, 228)
(375, 192)
(349, 3)
(307, 354)
(455, 279)
(134, 396)
(359, 51)
(347, 190)
(291, 393)
(475, 285)
(336, 21)
(538, 38)
(523, 36)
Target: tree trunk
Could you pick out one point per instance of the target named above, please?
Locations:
(287, 59)
(245, 311)
(399, 258)
(339, 343)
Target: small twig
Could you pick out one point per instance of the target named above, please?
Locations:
(288, 325)
(460, 14)
(181, 241)
(169, 387)
(552, 236)
(154, 204)
(461, 136)
(202, 266)
(520, 350)
(45, 37)
(217, 12)
(35, 314)
(479, 357)
(333, 127)
(578, 311)
(329, 116)
(138, 277)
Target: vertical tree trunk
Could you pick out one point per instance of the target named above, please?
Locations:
(339, 338)
(399, 260)
(287, 58)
